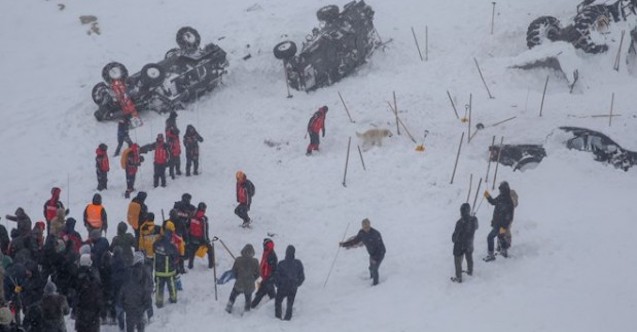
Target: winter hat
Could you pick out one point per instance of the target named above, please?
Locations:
(138, 257)
(186, 197)
(19, 212)
(50, 287)
(465, 209)
(6, 317)
(70, 224)
(86, 260)
(268, 244)
(150, 216)
(121, 228)
(366, 223)
(103, 147)
(141, 196)
(97, 199)
(324, 109)
(160, 137)
(85, 249)
(55, 191)
(40, 224)
(202, 206)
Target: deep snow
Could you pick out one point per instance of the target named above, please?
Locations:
(572, 259)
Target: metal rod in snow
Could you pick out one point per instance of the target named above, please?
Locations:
(495, 174)
(492, 16)
(334, 261)
(469, 121)
(346, 109)
(544, 94)
(391, 109)
(503, 121)
(416, 41)
(482, 77)
(475, 198)
(349, 142)
(486, 178)
(287, 85)
(612, 102)
(214, 266)
(396, 112)
(426, 43)
(470, 185)
(619, 50)
(361, 155)
(453, 105)
(457, 157)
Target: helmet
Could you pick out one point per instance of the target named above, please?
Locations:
(103, 147)
(170, 226)
(202, 206)
(240, 176)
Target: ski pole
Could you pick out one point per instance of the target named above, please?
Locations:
(226, 247)
(214, 266)
(479, 205)
(334, 261)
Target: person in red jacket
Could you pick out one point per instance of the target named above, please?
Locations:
(198, 234)
(267, 267)
(133, 161)
(245, 191)
(51, 206)
(101, 166)
(160, 161)
(172, 137)
(314, 126)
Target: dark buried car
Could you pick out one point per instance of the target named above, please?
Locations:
(343, 42)
(520, 156)
(186, 73)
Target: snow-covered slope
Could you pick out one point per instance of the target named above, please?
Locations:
(573, 254)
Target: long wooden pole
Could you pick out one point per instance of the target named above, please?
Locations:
(544, 94)
(470, 187)
(346, 109)
(416, 41)
(492, 16)
(402, 123)
(469, 122)
(214, 266)
(426, 43)
(334, 261)
(349, 142)
(453, 105)
(486, 178)
(475, 198)
(612, 103)
(457, 157)
(361, 155)
(482, 77)
(618, 57)
(495, 174)
(396, 112)
(227, 249)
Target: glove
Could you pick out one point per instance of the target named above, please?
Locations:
(18, 289)
(486, 194)
(503, 230)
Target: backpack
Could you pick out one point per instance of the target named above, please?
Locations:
(250, 188)
(124, 158)
(514, 198)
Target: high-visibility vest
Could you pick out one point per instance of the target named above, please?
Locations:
(94, 215)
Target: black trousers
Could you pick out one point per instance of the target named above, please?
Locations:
(159, 174)
(192, 159)
(120, 142)
(102, 180)
(134, 321)
(267, 287)
(233, 296)
(242, 212)
(288, 294)
(458, 263)
(373, 269)
(130, 182)
(174, 165)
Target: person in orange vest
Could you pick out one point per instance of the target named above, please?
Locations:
(95, 215)
(245, 191)
(101, 166)
(51, 206)
(136, 214)
(314, 126)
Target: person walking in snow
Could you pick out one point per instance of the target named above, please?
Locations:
(246, 270)
(89, 301)
(373, 241)
(314, 126)
(245, 191)
(136, 213)
(462, 239)
(267, 267)
(135, 295)
(95, 217)
(131, 163)
(172, 138)
(54, 308)
(51, 206)
(502, 217)
(288, 277)
(166, 256)
(191, 142)
(123, 126)
(23, 221)
(198, 236)
(101, 167)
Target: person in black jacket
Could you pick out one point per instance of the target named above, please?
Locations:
(135, 296)
(191, 142)
(122, 134)
(373, 241)
(166, 256)
(288, 277)
(462, 239)
(502, 217)
(23, 221)
(90, 302)
(185, 210)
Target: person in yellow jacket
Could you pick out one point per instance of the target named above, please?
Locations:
(136, 214)
(148, 234)
(95, 215)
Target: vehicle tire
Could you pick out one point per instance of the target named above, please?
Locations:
(114, 71)
(285, 50)
(527, 163)
(585, 22)
(100, 93)
(327, 13)
(152, 75)
(171, 53)
(541, 29)
(188, 39)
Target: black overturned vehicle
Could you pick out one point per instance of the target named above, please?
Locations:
(344, 41)
(518, 156)
(185, 74)
(603, 148)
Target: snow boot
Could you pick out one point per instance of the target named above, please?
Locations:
(229, 307)
(490, 257)
(458, 280)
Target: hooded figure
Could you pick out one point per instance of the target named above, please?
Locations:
(191, 142)
(101, 166)
(267, 267)
(502, 217)
(462, 239)
(246, 270)
(95, 217)
(126, 241)
(288, 277)
(69, 234)
(136, 293)
(314, 126)
(136, 214)
(51, 207)
(23, 221)
(131, 164)
(54, 308)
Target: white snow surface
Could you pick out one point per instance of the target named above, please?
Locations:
(573, 259)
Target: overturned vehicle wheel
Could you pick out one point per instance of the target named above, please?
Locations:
(114, 71)
(152, 75)
(542, 29)
(188, 39)
(327, 13)
(285, 50)
(100, 93)
(595, 18)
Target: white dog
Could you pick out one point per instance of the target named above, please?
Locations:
(373, 137)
